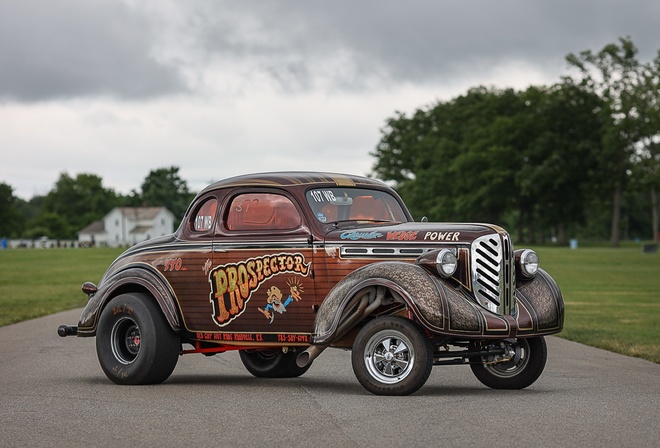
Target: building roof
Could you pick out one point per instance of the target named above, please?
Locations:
(94, 228)
(130, 213)
(141, 229)
(140, 212)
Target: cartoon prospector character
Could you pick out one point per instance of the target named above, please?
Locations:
(275, 300)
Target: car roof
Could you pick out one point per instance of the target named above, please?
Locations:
(295, 178)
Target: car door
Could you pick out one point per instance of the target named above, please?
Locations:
(262, 286)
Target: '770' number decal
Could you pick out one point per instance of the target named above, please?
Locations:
(174, 264)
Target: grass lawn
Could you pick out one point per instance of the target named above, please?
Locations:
(37, 282)
(612, 295)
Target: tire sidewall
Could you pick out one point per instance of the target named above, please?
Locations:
(537, 353)
(158, 349)
(423, 356)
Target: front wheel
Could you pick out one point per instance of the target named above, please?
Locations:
(134, 342)
(391, 356)
(522, 371)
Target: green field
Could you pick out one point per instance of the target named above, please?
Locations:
(37, 282)
(612, 295)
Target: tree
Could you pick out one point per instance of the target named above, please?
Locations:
(646, 177)
(454, 160)
(51, 225)
(629, 90)
(164, 187)
(10, 218)
(78, 202)
(647, 154)
(497, 155)
(561, 164)
(491, 148)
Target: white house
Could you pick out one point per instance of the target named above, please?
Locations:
(125, 226)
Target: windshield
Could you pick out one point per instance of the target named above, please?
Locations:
(354, 204)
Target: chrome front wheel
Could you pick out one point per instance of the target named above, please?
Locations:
(391, 356)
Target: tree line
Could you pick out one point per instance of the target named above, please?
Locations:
(75, 202)
(579, 158)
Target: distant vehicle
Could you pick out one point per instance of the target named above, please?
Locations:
(281, 266)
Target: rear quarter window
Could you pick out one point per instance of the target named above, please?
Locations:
(204, 217)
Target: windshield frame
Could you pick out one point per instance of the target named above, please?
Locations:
(334, 205)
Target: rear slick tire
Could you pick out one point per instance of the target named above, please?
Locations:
(134, 342)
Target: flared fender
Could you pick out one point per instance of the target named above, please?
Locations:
(140, 277)
(540, 305)
(439, 306)
(410, 282)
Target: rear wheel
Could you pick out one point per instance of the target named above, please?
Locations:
(134, 342)
(272, 363)
(522, 371)
(391, 356)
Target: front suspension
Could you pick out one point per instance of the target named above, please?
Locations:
(497, 352)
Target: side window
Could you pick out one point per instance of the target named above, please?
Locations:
(262, 211)
(205, 215)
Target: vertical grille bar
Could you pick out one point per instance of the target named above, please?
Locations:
(493, 275)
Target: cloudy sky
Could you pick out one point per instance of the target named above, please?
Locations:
(219, 88)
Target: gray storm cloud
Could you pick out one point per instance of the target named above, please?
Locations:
(135, 50)
(74, 48)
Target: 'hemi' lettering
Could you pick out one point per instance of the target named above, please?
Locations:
(442, 236)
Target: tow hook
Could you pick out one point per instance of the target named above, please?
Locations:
(67, 330)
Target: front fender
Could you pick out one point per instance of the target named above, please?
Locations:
(440, 307)
(540, 305)
(410, 282)
(137, 277)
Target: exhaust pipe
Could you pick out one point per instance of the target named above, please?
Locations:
(67, 330)
(305, 358)
(360, 306)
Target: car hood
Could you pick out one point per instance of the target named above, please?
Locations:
(422, 233)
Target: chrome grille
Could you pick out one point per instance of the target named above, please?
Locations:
(382, 252)
(493, 276)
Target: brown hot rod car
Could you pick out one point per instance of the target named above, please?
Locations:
(281, 266)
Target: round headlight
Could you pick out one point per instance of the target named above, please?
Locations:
(445, 263)
(529, 263)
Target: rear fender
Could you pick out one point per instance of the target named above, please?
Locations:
(140, 277)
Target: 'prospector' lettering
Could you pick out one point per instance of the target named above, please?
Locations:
(442, 236)
(232, 284)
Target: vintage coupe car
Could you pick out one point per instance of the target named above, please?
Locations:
(281, 266)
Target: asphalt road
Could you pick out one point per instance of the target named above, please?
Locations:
(53, 393)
